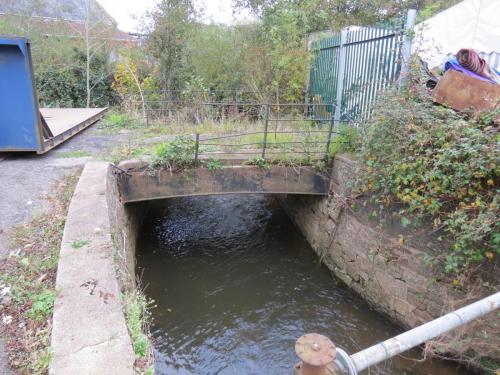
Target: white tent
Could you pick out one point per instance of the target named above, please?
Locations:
(469, 24)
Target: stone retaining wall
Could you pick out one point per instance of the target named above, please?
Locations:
(391, 276)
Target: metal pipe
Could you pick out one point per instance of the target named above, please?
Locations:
(410, 339)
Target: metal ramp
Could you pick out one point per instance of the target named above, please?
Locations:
(23, 125)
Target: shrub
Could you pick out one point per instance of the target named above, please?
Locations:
(345, 140)
(176, 153)
(439, 165)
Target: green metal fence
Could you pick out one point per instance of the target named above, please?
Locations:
(353, 66)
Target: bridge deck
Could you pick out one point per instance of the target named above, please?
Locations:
(135, 186)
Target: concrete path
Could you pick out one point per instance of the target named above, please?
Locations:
(89, 334)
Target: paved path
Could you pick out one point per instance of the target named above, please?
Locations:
(89, 334)
(26, 178)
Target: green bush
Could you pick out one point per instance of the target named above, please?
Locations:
(345, 140)
(42, 305)
(439, 165)
(176, 153)
(63, 85)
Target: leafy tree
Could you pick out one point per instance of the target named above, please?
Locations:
(171, 25)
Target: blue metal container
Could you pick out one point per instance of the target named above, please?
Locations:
(20, 122)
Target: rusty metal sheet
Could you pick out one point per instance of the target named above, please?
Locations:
(141, 186)
(462, 92)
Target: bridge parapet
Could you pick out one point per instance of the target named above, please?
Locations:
(137, 183)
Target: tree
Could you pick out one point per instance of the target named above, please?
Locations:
(171, 23)
(97, 33)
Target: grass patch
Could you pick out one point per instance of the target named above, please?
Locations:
(114, 121)
(29, 275)
(73, 154)
(138, 317)
(78, 244)
(214, 165)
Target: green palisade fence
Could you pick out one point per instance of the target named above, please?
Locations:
(363, 61)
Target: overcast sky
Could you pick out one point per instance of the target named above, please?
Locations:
(126, 12)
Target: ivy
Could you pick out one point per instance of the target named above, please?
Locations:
(439, 165)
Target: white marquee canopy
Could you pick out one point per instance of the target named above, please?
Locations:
(469, 24)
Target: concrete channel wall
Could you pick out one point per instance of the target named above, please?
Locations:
(125, 221)
(393, 277)
(89, 334)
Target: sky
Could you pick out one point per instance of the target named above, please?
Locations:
(126, 12)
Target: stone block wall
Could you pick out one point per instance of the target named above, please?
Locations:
(391, 276)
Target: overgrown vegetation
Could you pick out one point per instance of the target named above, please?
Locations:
(345, 140)
(137, 314)
(435, 163)
(27, 281)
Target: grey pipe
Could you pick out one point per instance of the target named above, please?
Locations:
(410, 339)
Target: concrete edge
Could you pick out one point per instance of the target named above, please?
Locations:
(89, 332)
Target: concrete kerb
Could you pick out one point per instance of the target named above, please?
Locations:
(89, 333)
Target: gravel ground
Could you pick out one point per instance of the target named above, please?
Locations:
(26, 178)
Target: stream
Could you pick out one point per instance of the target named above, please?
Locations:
(235, 284)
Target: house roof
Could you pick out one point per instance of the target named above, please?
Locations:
(68, 10)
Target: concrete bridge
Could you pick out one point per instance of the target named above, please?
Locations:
(137, 183)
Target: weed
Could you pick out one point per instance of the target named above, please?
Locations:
(345, 141)
(214, 165)
(115, 120)
(78, 244)
(259, 162)
(138, 316)
(176, 153)
(42, 305)
(30, 274)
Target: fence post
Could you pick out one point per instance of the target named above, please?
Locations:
(266, 125)
(406, 48)
(329, 140)
(340, 76)
(196, 149)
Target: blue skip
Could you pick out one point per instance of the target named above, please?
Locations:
(23, 125)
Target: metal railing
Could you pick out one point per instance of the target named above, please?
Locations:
(245, 129)
(287, 131)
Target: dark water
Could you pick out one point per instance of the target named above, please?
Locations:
(236, 284)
